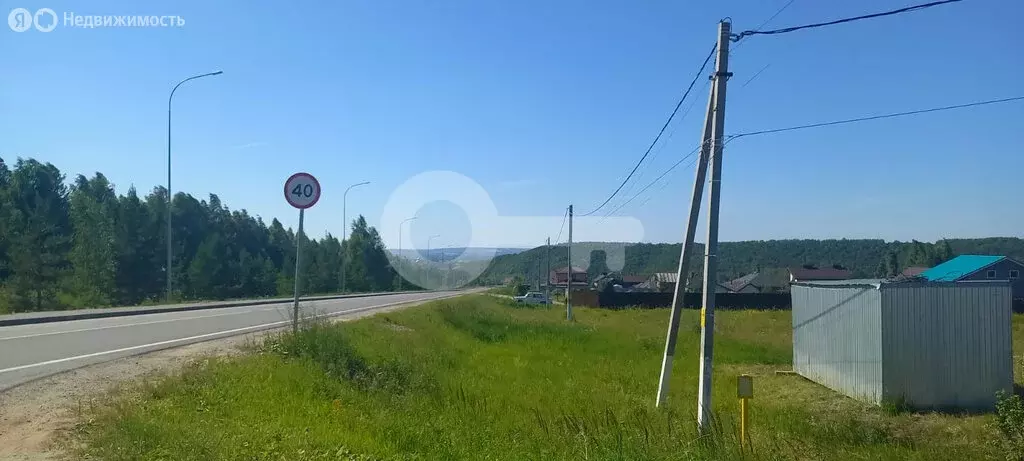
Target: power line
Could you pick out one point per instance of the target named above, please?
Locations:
(730, 138)
(751, 79)
(648, 186)
(922, 6)
(662, 131)
(766, 21)
(876, 117)
(661, 148)
(566, 215)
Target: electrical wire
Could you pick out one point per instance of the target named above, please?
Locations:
(763, 23)
(747, 33)
(876, 117)
(661, 148)
(662, 131)
(732, 52)
(751, 79)
(564, 216)
(730, 138)
(648, 186)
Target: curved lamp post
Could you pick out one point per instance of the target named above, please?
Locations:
(344, 229)
(170, 195)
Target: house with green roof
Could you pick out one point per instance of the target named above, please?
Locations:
(979, 268)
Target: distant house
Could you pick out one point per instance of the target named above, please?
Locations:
(804, 274)
(630, 281)
(666, 282)
(913, 271)
(770, 280)
(560, 277)
(979, 268)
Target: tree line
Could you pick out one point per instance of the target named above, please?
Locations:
(83, 245)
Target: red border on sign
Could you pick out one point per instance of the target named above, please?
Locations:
(289, 199)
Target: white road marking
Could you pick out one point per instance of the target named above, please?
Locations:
(207, 335)
(136, 324)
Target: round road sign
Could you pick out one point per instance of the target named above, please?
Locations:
(302, 190)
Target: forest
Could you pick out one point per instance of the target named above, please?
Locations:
(80, 244)
(864, 257)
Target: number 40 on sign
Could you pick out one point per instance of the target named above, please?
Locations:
(302, 190)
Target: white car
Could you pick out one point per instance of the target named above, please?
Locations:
(533, 297)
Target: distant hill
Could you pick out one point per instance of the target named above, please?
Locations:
(862, 256)
(471, 253)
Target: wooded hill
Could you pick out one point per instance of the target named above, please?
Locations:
(865, 257)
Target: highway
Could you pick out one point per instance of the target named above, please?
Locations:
(33, 351)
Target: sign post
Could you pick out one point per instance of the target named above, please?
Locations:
(302, 191)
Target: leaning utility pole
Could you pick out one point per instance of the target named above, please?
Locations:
(547, 284)
(568, 280)
(711, 143)
(682, 274)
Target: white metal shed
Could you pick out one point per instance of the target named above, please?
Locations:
(929, 345)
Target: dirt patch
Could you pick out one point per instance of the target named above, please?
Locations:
(34, 415)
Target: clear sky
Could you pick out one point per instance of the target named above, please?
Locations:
(543, 103)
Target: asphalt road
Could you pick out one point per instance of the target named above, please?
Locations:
(29, 352)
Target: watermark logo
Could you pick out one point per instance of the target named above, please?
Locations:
(489, 230)
(45, 20)
(21, 19)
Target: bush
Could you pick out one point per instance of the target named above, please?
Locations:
(1010, 421)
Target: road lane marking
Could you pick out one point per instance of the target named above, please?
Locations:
(207, 335)
(79, 330)
(249, 311)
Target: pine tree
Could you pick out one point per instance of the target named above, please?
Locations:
(93, 254)
(39, 235)
(139, 259)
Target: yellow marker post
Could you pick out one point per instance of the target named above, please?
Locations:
(745, 391)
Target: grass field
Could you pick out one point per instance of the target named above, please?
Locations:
(479, 378)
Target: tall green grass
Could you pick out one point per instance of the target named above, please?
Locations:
(479, 378)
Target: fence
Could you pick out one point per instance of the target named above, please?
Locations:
(766, 301)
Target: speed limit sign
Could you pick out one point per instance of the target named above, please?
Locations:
(302, 190)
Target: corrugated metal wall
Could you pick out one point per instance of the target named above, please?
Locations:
(837, 338)
(948, 345)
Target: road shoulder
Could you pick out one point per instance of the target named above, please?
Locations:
(34, 417)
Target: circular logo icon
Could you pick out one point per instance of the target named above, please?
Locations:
(39, 24)
(20, 19)
(302, 190)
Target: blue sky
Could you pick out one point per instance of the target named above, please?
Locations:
(543, 103)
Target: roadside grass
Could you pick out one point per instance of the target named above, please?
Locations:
(483, 378)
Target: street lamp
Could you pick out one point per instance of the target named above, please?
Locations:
(428, 244)
(400, 248)
(344, 229)
(170, 196)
